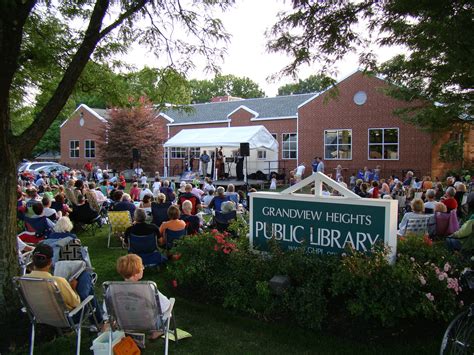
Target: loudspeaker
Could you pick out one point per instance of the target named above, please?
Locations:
(135, 154)
(244, 149)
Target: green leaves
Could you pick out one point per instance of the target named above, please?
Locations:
(436, 36)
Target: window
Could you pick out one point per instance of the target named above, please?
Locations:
(74, 149)
(290, 146)
(89, 148)
(178, 153)
(195, 152)
(338, 144)
(383, 143)
(261, 154)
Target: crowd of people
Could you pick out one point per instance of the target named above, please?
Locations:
(70, 201)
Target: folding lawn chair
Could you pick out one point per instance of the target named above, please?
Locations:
(145, 247)
(223, 220)
(172, 236)
(119, 221)
(134, 307)
(417, 225)
(44, 304)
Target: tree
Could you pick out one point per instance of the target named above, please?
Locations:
(36, 34)
(313, 83)
(135, 126)
(224, 85)
(437, 36)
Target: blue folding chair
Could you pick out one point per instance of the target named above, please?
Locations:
(172, 236)
(145, 247)
(222, 220)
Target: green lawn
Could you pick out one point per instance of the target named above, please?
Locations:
(217, 331)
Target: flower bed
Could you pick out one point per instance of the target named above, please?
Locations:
(423, 283)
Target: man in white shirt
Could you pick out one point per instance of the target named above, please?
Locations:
(320, 168)
(145, 191)
(299, 172)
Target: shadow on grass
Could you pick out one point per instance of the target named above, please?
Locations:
(218, 331)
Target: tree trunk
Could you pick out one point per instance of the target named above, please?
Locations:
(9, 266)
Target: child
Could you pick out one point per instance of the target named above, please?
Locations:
(352, 181)
(338, 172)
(130, 267)
(273, 183)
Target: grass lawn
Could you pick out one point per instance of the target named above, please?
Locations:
(218, 331)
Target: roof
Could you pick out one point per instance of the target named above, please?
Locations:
(266, 107)
(256, 136)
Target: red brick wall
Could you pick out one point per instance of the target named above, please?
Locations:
(377, 112)
(72, 130)
(243, 118)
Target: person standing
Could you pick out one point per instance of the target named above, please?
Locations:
(88, 168)
(314, 165)
(220, 163)
(204, 162)
(320, 167)
(300, 172)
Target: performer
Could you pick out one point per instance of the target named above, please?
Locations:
(220, 164)
(204, 162)
(239, 168)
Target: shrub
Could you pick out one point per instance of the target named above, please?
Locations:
(422, 284)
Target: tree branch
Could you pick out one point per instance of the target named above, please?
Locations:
(32, 135)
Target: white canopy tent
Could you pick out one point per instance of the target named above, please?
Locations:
(258, 137)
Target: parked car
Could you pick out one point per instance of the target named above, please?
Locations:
(33, 165)
(50, 168)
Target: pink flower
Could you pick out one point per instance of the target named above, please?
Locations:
(447, 267)
(216, 248)
(441, 276)
(429, 296)
(461, 303)
(422, 280)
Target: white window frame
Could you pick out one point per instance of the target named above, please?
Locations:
(262, 152)
(383, 143)
(337, 143)
(78, 149)
(86, 150)
(195, 151)
(174, 152)
(283, 145)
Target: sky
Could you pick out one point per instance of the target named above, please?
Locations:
(247, 22)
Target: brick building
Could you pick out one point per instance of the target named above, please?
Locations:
(356, 128)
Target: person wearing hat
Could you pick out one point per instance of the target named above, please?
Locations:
(74, 291)
(42, 257)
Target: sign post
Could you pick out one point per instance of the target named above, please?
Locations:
(322, 224)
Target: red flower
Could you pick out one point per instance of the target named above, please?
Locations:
(214, 231)
(174, 283)
(427, 240)
(216, 247)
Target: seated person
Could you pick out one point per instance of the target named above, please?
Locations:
(159, 209)
(146, 204)
(146, 191)
(187, 195)
(168, 191)
(206, 200)
(192, 221)
(463, 238)
(82, 212)
(418, 212)
(49, 212)
(135, 192)
(217, 200)
(430, 200)
(449, 199)
(73, 292)
(115, 198)
(125, 204)
(62, 229)
(140, 227)
(174, 223)
(130, 267)
(38, 212)
(233, 196)
(60, 205)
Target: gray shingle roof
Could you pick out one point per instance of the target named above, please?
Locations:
(267, 107)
